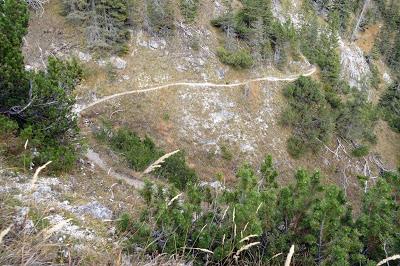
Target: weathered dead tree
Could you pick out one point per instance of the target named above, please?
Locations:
(360, 18)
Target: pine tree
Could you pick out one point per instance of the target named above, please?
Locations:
(14, 86)
(379, 222)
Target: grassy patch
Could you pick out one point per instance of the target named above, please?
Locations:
(360, 151)
(189, 9)
(140, 153)
(238, 59)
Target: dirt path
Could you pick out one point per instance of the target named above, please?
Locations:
(196, 84)
(95, 157)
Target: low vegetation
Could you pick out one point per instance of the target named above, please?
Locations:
(255, 26)
(160, 17)
(106, 22)
(140, 153)
(189, 9)
(309, 115)
(237, 59)
(36, 107)
(390, 105)
(316, 114)
(258, 219)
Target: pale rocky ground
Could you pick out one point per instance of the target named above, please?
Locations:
(200, 121)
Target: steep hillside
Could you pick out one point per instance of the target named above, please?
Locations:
(158, 117)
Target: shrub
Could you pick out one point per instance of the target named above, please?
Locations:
(267, 38)
(63, 157)
(107, 22)
(161, 16)
(40, 102)
(124, 222)
(360, 151)
(238, 59)
(176, 171)
(390, 106)
(189, 9)
(139, 153)
(296, 147)
(309, 115)
(357, 119)
(7, 126)
(256, 219)
(226, 153)
(319, 46)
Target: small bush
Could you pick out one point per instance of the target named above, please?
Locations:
(226, 153)
(124, 222)
(189, 9)
(237, 59)
(63, 157)
(177, 172)
(356, 119)
(390, 106)
(256, 218)
(309, 115)
(161, 16)
(296, 147)
(139, 153)
(7, 126)
(360, 151)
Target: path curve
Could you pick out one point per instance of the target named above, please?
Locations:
(196, 84)
(95, 157)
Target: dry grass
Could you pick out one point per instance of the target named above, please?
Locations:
(36, 175)
(289, 256)
(5, 232)
(157, 164)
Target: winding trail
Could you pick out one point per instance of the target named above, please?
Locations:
(197, 84)
(137, 183)
(95, 158)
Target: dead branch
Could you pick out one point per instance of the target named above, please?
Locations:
(395, 257)
(378, 162)
(345, 181)
(360, 18)
(41, 55)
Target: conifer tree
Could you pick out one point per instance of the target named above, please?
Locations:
(14, 86)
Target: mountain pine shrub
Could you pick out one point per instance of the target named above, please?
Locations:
(256, 219)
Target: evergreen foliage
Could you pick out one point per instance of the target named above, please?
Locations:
(237, 59)
(13, 27)
(254, 24)
(357, 119)
(320, 45)
(40, 102)
(390, 105)
(106, 21)
(309, 114)
(388, 43)
(161, 17)
(189, 9)
(141, 153)
(315, 114)
(257, 219)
